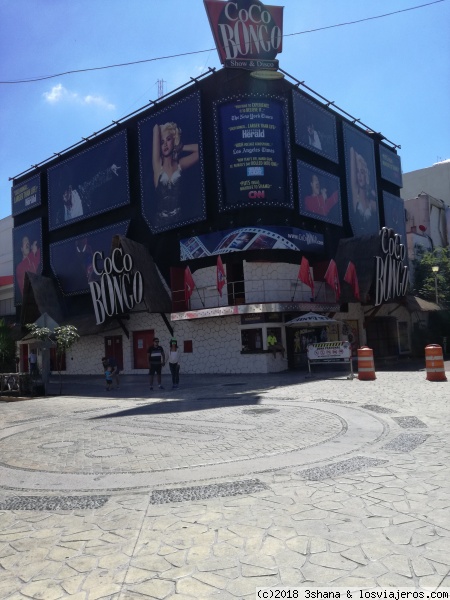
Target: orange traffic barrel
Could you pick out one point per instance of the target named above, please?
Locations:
(366, 366)
(434, 363)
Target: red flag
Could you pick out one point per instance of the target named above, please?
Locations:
(304, 274)
(189, 283)
(221, 277)
(332, 278)
(351, 278)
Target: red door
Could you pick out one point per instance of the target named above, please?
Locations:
(114, 349)
(142, 340)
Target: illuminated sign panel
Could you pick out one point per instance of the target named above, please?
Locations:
(72, 259)
(250, 238)
(27, 257)
(319, 193)
(315, 127)
(253, 153)
(391, 166)
(247, 33)
(171, 161)
(91, 182)
(25, 196)
(361, 181)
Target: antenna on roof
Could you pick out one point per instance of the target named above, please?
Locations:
(161, 83)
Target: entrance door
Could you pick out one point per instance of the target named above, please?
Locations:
(142, 340)
(114, 349)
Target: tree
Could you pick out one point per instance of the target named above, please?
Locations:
(425, 279)
(65, 337)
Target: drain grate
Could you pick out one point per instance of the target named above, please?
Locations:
(409, 422)
(358, 463)
(52, 503)
(203, 492)
(406, 442)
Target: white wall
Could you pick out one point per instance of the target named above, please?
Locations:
(433, 180)
(6, 248)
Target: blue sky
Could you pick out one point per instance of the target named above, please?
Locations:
(393, 73)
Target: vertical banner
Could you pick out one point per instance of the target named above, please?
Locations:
(254, 153)
(171, 162)
(361, 181)
(319, 194)
(27, 248)
(91, 182)
(25, 195)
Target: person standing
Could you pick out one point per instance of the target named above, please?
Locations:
(108, 378)
(156, 360)
(33, 363)
(174, 363)
(114, 370)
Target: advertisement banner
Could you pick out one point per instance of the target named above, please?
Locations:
(71, 259)
(27, 248)
(245, 30)
(361, 181)
(250, 238)
(319, 194)
(254, 154)
(90, 183)
(25, 195)
(394, 214)
(315, 127)
(390, 166)
(171, 162)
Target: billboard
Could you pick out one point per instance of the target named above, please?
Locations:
(319, 194)
(247, 33)
(27, 248)
(390, 166)
(253, 153)
(92, 182)
(171, 163)
(71, 259)
(394, 214)
(361, 181)
(250, 238)
(315, 127)
(25, 195)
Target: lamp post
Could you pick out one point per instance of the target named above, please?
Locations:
(436, 271)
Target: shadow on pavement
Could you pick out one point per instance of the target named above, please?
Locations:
(179, 406)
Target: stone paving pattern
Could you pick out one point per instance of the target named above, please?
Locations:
(375, 514)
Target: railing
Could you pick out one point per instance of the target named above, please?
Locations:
(251, 291)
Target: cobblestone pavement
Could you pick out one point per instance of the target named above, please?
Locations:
(227, 484)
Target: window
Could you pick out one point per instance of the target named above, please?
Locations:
(252, 340)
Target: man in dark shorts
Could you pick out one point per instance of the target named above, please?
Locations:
(156, 360)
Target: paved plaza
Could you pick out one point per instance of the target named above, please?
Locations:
(224, 485)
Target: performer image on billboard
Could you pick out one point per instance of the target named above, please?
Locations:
(170, 158)
(78, 201)
(364, 204)
(31, 258)
(319, 202)
(313, 136)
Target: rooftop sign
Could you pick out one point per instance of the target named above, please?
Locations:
(248, 34)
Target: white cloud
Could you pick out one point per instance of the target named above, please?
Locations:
(98, 101)
(59, 93)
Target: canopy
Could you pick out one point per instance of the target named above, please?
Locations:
(311, 320)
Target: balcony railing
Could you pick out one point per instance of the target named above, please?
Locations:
(251, 291)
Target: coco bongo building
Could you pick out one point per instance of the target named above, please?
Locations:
(216, 215)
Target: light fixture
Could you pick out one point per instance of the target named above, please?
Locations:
(435, 270)
(263, 74)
